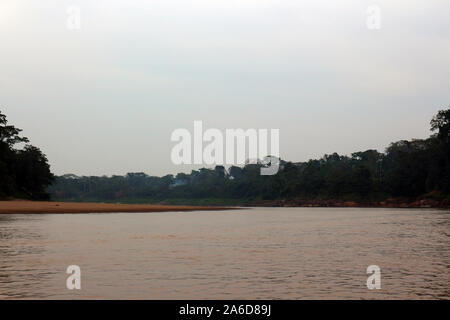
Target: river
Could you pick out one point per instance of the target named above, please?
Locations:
(254, 253)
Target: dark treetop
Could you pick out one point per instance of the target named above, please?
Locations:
(24, 173)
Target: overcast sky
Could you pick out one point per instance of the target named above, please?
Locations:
(104, 99)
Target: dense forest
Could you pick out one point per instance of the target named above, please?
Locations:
(407, 169)
(24, 172)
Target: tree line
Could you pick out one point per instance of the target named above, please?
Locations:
(406, 169)
(24, 172)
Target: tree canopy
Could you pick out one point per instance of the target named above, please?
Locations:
(406, 169)
(25, 172)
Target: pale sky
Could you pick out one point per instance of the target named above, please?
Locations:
(105, 99)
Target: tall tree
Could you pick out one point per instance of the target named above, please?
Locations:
(441, 123)
(24, 173)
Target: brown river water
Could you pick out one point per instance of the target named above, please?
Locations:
(259, 253)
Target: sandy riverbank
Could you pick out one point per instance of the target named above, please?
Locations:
(23, 206)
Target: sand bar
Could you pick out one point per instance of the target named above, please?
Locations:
(23, 206)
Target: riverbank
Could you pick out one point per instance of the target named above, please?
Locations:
(36, 207)
(24, 206)
(420, 202)
(388, 203)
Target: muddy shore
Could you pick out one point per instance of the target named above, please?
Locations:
(388, 203)
(23, 206)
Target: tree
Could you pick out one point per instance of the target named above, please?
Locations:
(408, 169)
(24, 173)
(441, 123)
(33, 173)
(9, 135)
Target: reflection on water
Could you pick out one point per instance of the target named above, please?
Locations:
(264, 253)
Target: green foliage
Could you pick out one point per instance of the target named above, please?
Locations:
(406, 169)
(24, 173)
(441, 124)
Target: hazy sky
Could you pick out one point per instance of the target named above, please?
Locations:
(104, 99)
